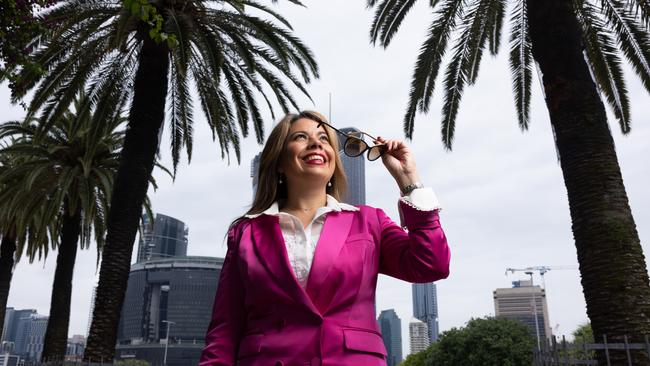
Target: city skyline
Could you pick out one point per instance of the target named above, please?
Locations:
(23, 336)
(504, 201)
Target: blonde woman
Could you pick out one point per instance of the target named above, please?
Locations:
(298, 282)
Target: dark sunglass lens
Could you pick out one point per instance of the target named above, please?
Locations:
(375, 152)
(354, 147)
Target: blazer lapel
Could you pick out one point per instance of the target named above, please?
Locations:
(272, 253)
(335, 231)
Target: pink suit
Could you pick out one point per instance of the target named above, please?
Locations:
(262, 316)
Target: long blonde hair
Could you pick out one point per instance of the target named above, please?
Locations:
(268, 189)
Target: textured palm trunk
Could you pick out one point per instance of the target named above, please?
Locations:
(130, 188)
(7, 253)
(56, 335)
(612, 265)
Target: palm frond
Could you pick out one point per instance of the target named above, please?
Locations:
(388, 19)
(521, 62)
(463, 67)
(604, 62)
(633, 38)
(429, 59)
(642, 8)
(496, 14)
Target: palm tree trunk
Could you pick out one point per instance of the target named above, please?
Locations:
(7, 253)
(140, 145)
(612, 265)
(56, 335)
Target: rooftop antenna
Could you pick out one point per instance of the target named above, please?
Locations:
(329, 117)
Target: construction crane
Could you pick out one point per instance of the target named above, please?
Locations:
(541, 269)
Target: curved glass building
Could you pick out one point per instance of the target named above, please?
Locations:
(168, 293)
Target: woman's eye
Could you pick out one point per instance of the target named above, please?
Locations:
(300, 137)
(324, 138)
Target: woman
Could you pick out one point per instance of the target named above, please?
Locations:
(284, 300)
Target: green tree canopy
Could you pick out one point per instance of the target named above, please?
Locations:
(484, 341)
(419, 359)
(583, 335)
(19, 31)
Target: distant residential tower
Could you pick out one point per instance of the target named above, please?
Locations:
(418, 336)
(519, 302)
(425, 307)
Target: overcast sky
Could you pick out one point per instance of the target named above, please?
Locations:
(505, 204)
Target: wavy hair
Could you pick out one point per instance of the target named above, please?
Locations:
(268, 189)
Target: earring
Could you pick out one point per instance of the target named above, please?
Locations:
(329, 184)
(280, 181)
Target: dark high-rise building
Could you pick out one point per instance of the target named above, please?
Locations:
(170, 293)
(391, 333)
(255, 167)
(355, 171)
(425, 306)
(165, 237)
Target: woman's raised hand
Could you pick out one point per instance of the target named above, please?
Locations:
(399, 161)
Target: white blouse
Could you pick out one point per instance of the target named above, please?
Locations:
(301, 241)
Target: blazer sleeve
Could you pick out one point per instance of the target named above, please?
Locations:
(228, 316)
(418, 255)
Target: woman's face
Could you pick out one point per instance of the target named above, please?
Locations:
(307, 153)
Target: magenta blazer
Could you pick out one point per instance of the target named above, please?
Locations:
(262, 316)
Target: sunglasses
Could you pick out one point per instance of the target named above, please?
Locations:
(354, 144)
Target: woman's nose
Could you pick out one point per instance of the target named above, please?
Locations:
(315, 143)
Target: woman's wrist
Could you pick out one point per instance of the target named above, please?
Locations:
(406, 180)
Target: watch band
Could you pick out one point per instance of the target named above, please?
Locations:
(409, 188)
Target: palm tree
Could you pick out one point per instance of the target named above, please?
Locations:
(56, 192)
(64, 177)
(557, 34)
(7, 261)
(229, 56)
(12, 246)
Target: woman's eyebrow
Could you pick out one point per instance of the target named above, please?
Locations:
(320, 132)
(296, 132)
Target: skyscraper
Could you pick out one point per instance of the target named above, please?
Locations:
(19, 329)
(13, 319)
(391, 332)
(176, 292)
(418, 335)
(255, 167)
(520, 303)
(26, 330)
(355, 171)
(163, 238)
(425, 307)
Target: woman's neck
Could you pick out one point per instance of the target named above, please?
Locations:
(306, 200)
